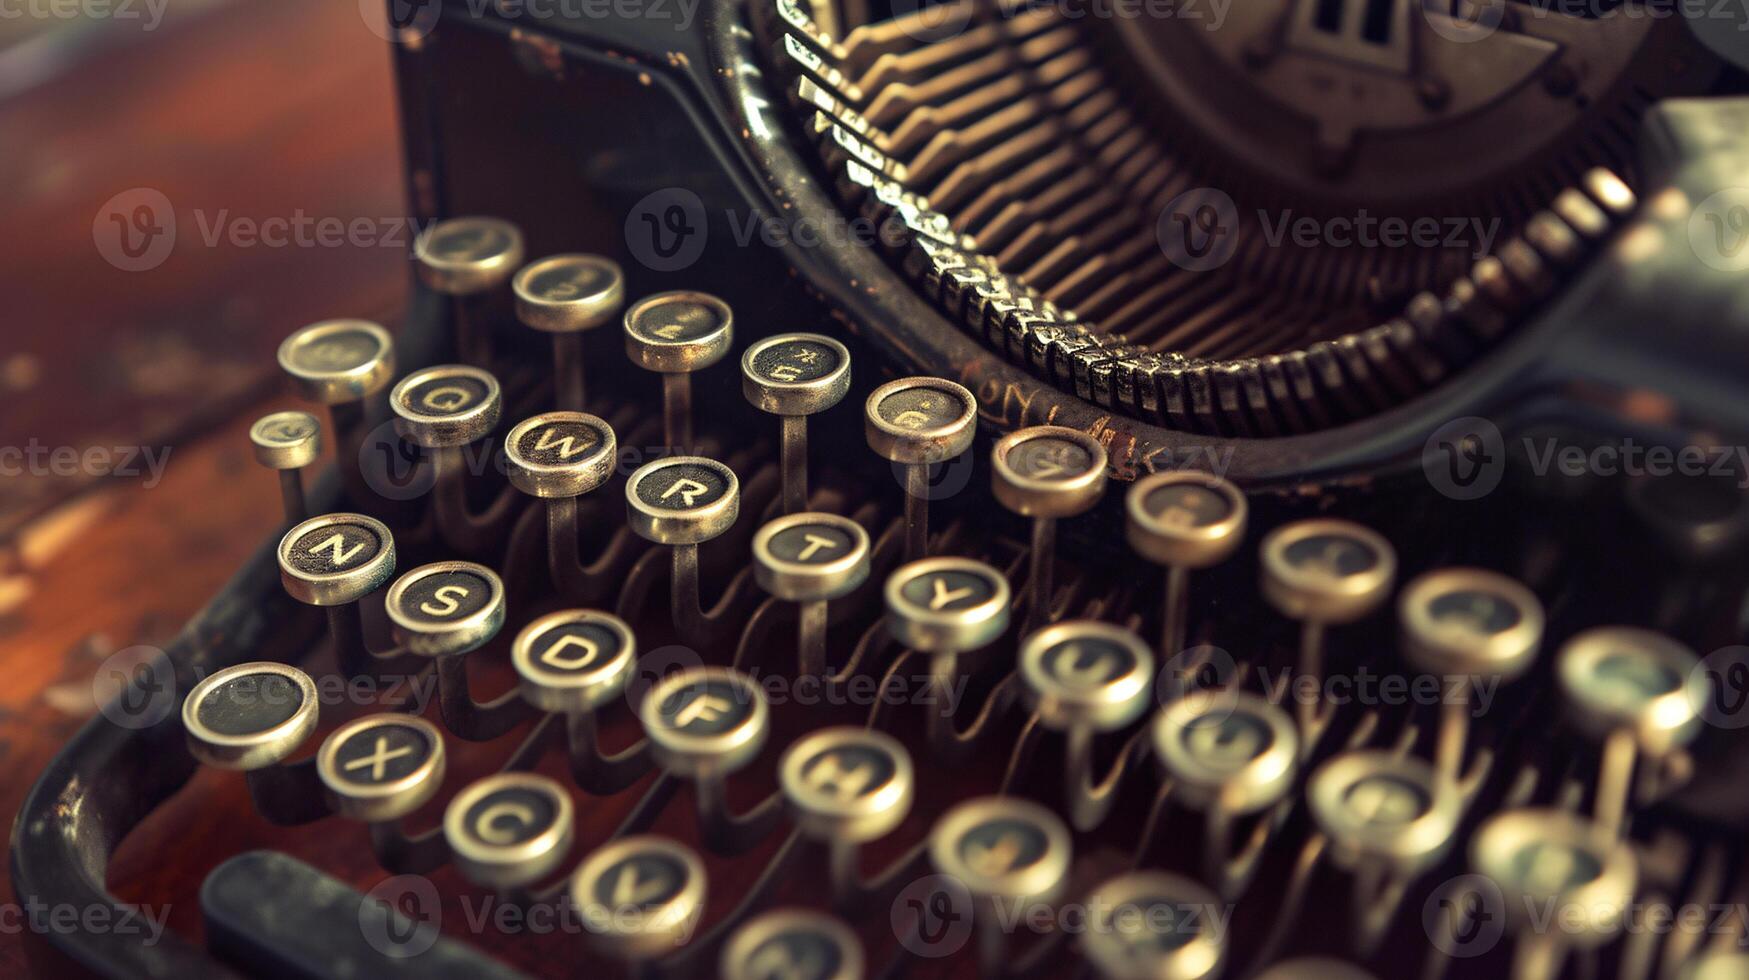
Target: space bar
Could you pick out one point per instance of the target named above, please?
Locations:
(275, 916)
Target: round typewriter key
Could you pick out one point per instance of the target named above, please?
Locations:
(1389, 818)
(1543, 859)
(847, 783)
(682, 501)
(574, 660)
(810, 559)
(1148, 925)
(846, 786)
(795, 375)
(288, 442)
(1314, 968)
(446, 608)
(560, 454)
(509, 830)
(1636, 691)
(464, 258)
(1002, 849)
(336, 559)
(381, 767)
(1382, 808)
(676, 334)
(1184, 520)
(565, 295)
(447, 406)
(461, 256)
(947, 605)
(1233, 752)
(1324, 572)
(794, 944)
(250, 716)
(640, 896)
(339, 361)
(1463, 623)
(1046, 472)
(1229, 755)
(916, 422)
(1087, 675)
(705, 722)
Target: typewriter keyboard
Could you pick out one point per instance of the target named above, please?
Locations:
(811, 682)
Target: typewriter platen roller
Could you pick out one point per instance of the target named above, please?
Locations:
(1170, 490)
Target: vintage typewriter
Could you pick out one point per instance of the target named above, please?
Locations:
(1170, 489)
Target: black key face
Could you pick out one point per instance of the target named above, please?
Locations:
(1087, 663)
(1629, 678)
(1227, 740)
(381, 754)
(286, 430)
(444, 597)
(1050, 458)
(849, 772)
(676, 321)
(334, 548)
(576, 647)
(467, 242)
(1002, 846)
(1385, 801)
(811, 544)
(921, 408)
(706, 707)
(948, 591)
(1157, 923)
(562, 442)
(1187, 505)
(1479, 612)
(796, 954)
(682, 487)
(344, 349)
(795, 362)
(510, 816)
(563, 283)
(642, 882)
(1552, 869)
(250, 704)
(1334, 555)
(445, 395)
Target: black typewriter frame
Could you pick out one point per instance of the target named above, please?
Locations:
(1592, 342)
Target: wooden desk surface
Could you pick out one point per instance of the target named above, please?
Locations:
(234, 111)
